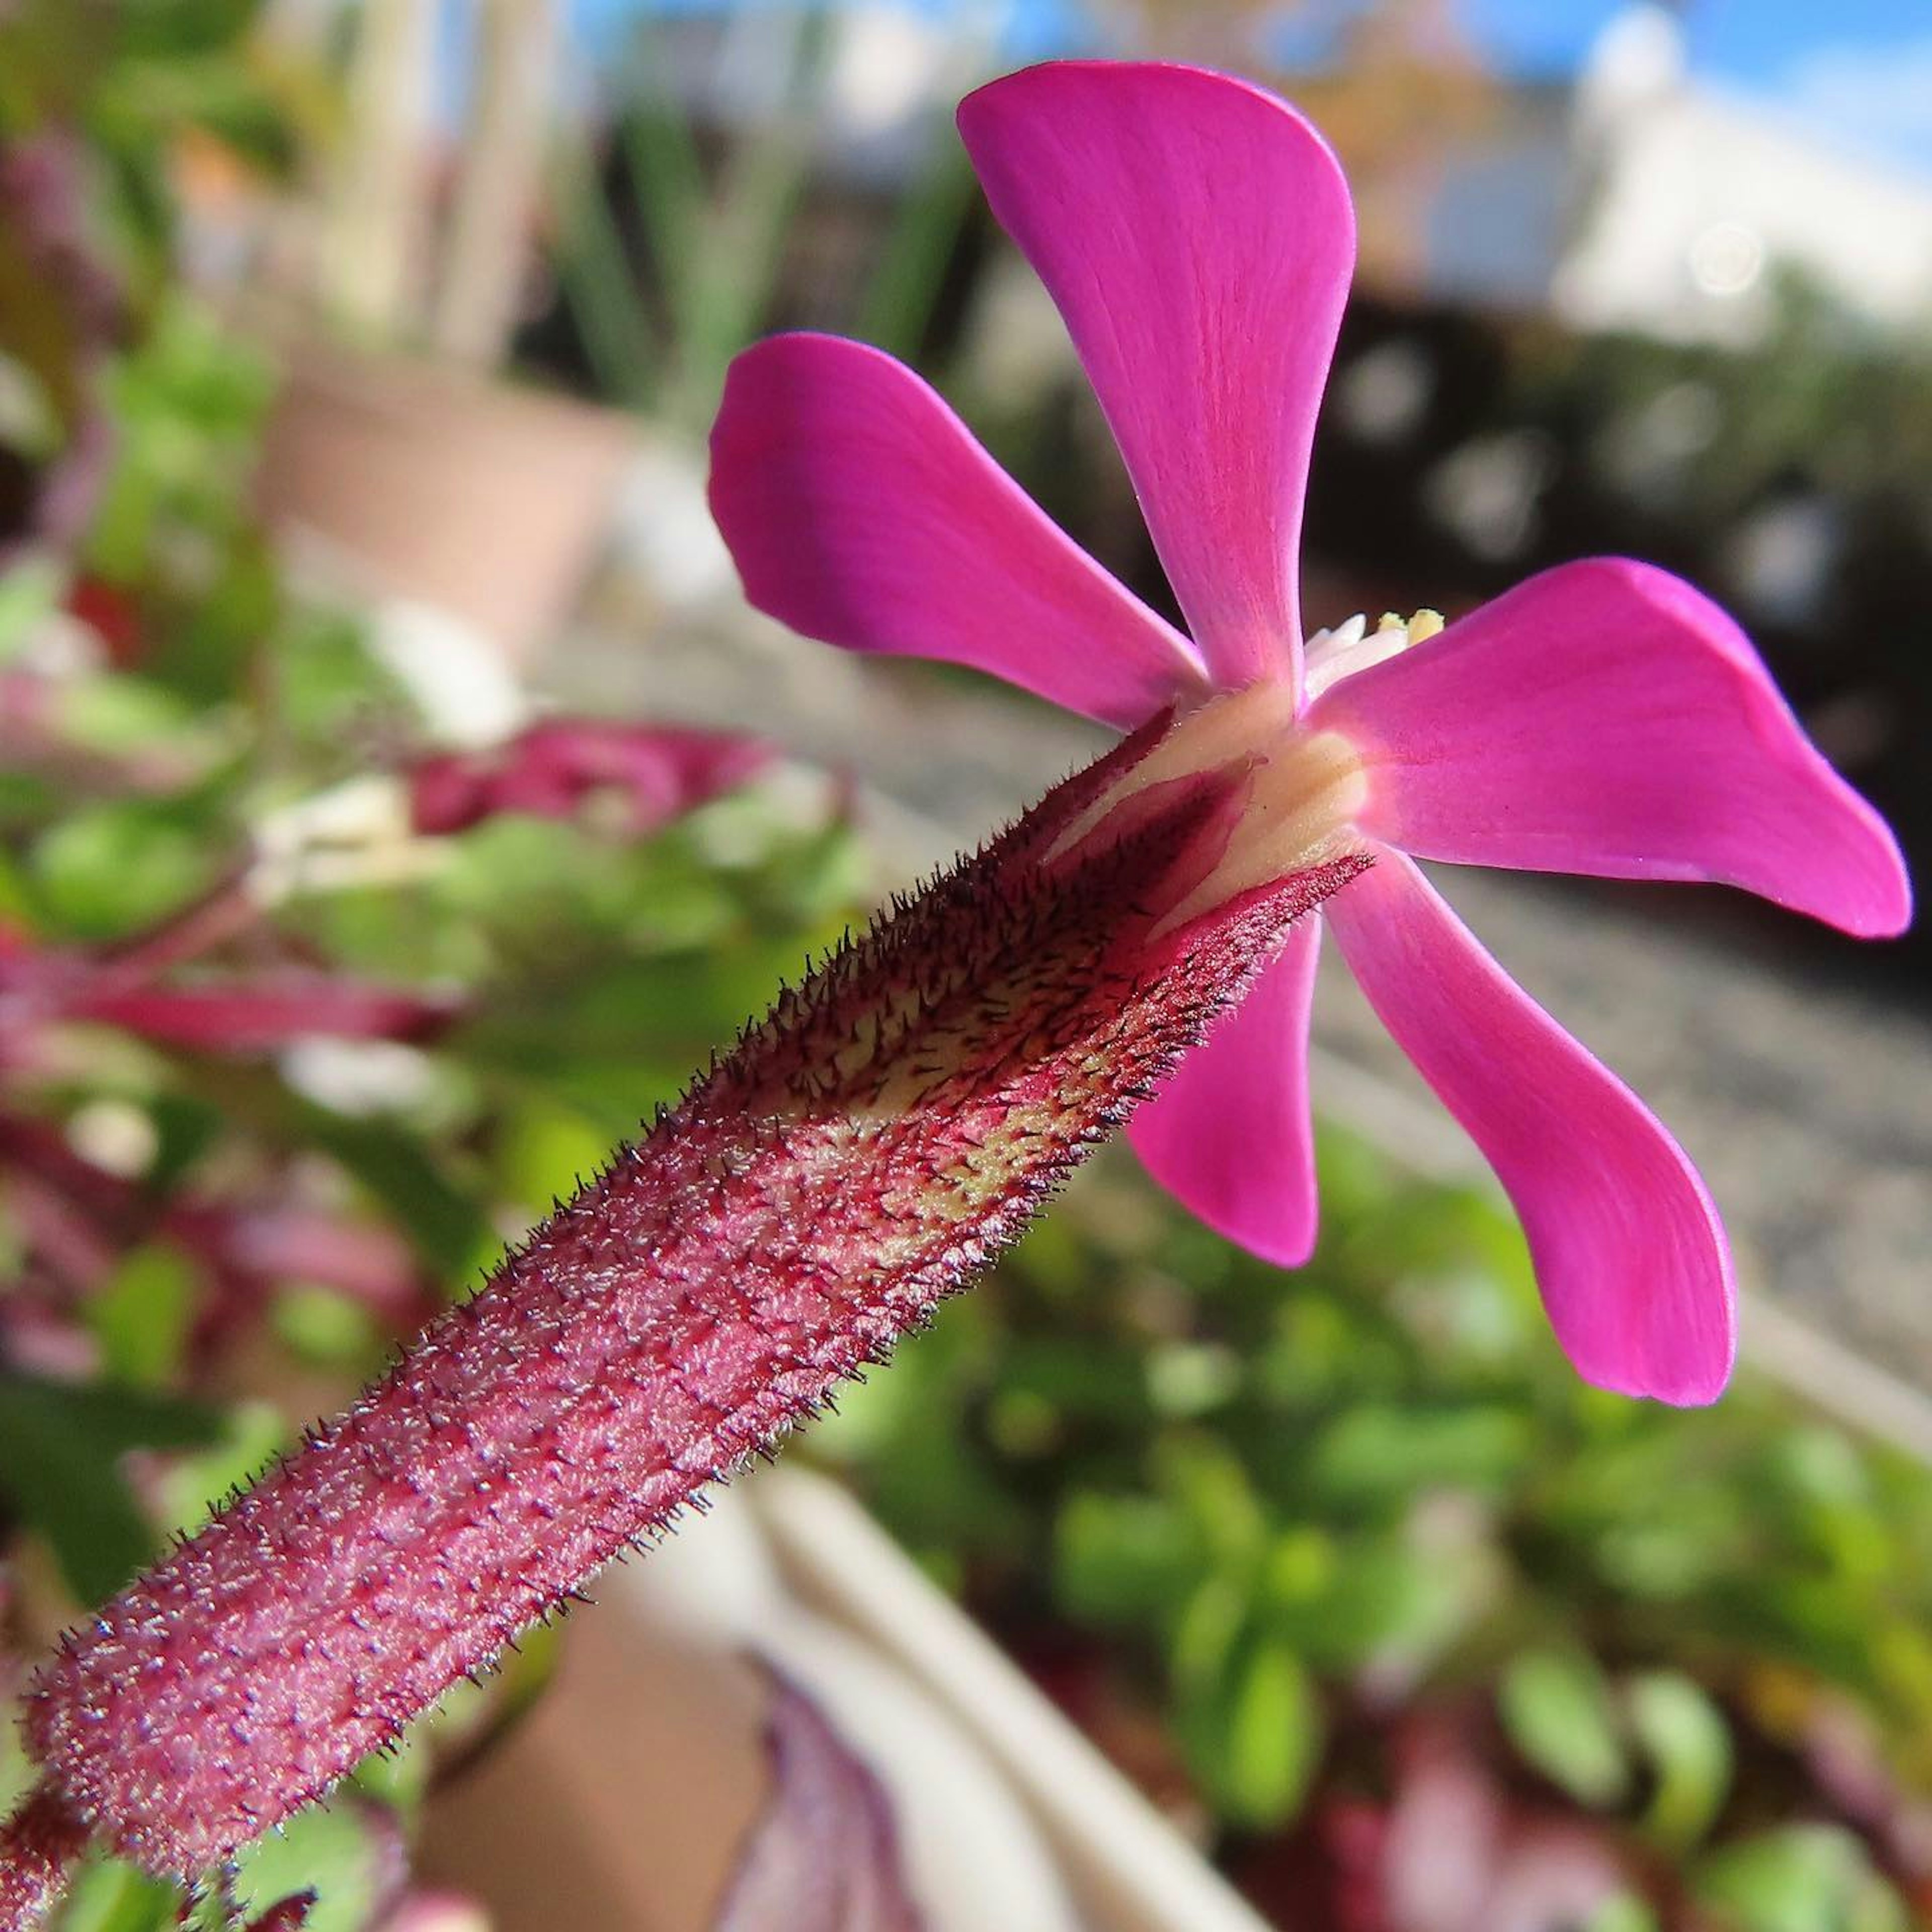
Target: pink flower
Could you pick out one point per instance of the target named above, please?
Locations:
(1603, 718)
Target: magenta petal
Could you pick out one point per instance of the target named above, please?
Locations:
(1630, 1254)
(1198, 237)
(1228, 1134)
(1606, 718)
(860, 511)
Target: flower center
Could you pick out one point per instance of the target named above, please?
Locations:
(1329, 656)
(1303, 789)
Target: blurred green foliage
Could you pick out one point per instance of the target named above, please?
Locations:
(132, 79)
(676, 249)
(1292, 1516)
(1823, 400)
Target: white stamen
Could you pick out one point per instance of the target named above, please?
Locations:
(1329, 656)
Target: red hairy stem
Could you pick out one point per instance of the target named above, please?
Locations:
(859, 1156)
(37, 1845)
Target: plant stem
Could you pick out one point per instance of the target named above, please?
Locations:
(859, 1156)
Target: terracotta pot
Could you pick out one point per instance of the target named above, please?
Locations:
(422, 483)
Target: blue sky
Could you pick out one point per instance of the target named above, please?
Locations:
(1859, 71)
(1747, 39)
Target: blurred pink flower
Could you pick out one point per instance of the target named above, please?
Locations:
(259, 1014)
(247, 1013)
(825, 1855)
(657, 772)
(1603, 718)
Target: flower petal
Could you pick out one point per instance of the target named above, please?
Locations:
(1630, 1254)
(1198, 236)
(860, 511)
(1228, 1134)
(1606, 718)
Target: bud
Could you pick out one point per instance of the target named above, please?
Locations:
(860, 1155)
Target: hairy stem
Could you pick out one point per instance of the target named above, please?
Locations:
(859, 1155)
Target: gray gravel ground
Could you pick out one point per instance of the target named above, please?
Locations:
(1808, 1103)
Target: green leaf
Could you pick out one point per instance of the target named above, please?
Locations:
(345, 1853)
(60, 1450)
(1376, 1454)
(1626, 1912)
(1302, 1566)
(324, 1326)
(544, 1152)
(107, 870)
(117, 715)
(1274, 1736)
(251, 1434)
(1188, 1379)
(1381, 1597)
(1119, 1558)
(109, 1896)
(1257, 1743)
(1802, 1878)
(449, 1227)
(185, 1127)
(16, 896)
(1205, 1637)
(1212, 1486)
(175, 29)
(1556, 1707)
(1682, 1732)
(30, 591)
(141, 1316)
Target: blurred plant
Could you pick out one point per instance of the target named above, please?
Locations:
(259, 778)
(295, 1004)
(102, 104)
(858, 1157)
(1300, 1513)
(135, 85)
(1364, 1572)
(679, 248)
(220, 854)
(1823, 400)
(199, 1185)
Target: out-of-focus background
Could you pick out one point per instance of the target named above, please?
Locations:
(397, 799)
